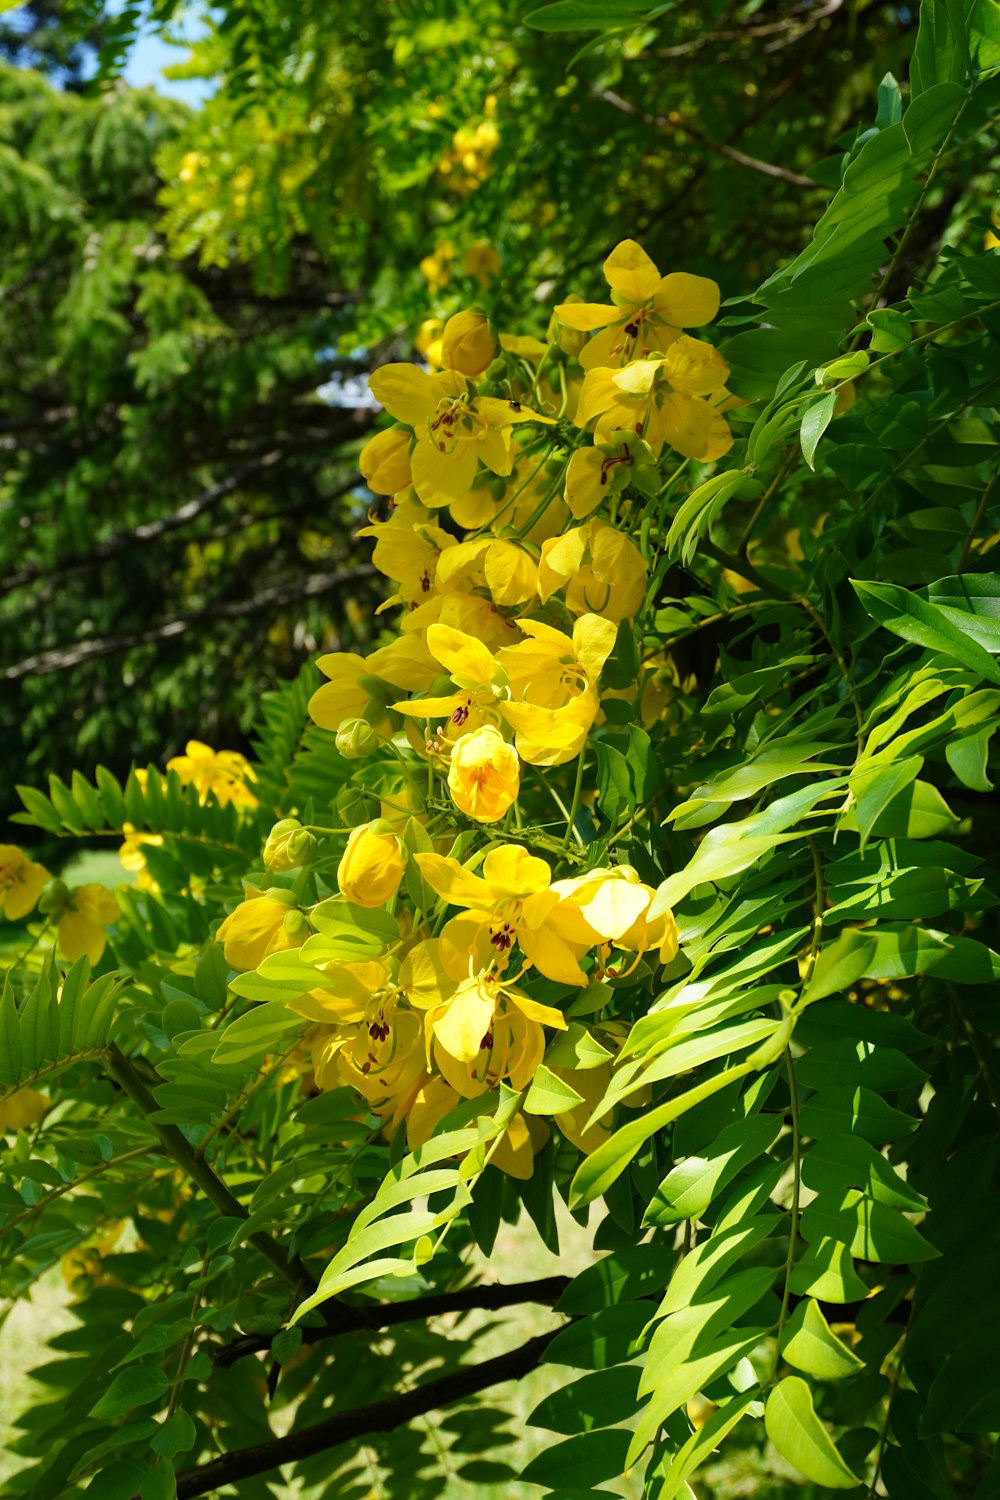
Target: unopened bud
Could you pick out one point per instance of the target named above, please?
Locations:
(355, 806)
(356, 739)
(296, 925)
(288, 846)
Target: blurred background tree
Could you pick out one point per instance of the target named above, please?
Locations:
(190, 299)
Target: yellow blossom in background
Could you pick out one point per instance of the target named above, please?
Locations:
(436, 268)
(484, 775)
(428, 341)
(23, 1108)
(482, 262)
(224, 773)
(648, 313)
(21, 882)
(372, 865)
(134, 860)
(86, 911)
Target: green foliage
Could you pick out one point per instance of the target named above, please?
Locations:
(793, 1209)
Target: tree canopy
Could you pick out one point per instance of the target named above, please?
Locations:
(500, 511)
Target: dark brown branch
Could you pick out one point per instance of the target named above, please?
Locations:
(378, 1416)
(682, 126)
(149, 531)
(376, 1316)
(279, 597)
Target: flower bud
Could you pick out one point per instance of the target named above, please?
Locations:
(355, 806)
(296, 925)
(356, 739)
(288, 846)
(385, 461)
(372, 866)
(484, 776)
(468, 345)
(258, 927)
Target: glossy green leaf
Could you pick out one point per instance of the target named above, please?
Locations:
(800, 1437)
(809, 1345)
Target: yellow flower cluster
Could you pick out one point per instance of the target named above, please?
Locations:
(80, 913)
(508, 542)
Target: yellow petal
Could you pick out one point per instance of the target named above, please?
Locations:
(511, 573)
(594, 640)
(687, 301)
(550, 955)
(637, 379)
(630, 272)
(430, 708)
(439, 478)
(450, 880)
(694, 367)
(597, 393)
(586, 482)
(586, 316)
(466, 660)
(461, 1026)
(385, 461)
(411, 395)
(551, 736)
(694, 428)
(424, 977)
(535, 1011)
(512, 871)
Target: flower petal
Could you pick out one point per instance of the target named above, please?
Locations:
(631, 274)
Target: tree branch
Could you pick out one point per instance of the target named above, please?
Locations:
(379, 1416)
(681, 126)
(60, 658)
(376, 1316)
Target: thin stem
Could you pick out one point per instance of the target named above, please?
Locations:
(894, 1381)
(762, 503)
(845, 673)
(215, 1190)
(977, 518)
(793, 1228)
(571, 828)
(67, 1187)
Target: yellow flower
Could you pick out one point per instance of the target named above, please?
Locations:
(467, 344)
(649, 310)
(484, 776)
(599, 569)
(600, 905)
(510, 902)
(484, 1031)
(594, 473)
(436, 267)
(456, 429)
(87, 910)
(260, 926)
(134, 860)
(481, 262)
(21, 882)
(23, 1108)
(288, 846)
(428, 341)
(222, 772)
(553, 686)
(372, 865)
(385, 461)
(362, 687)
(663, 400)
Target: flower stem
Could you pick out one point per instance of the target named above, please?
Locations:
(571, 829)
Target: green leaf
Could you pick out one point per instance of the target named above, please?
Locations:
(891, 331)
(925, 624)
(581, 1461)
(815, 420)
(604, 1338)
(177, 1435)
(587, 15)
(634, 1271)
(139, 1385)
(931, 116)
(845, 1061)
(614, 784)
(870, 1230)
(601, 1399)
(800, 1437)
(549, 1094)
(701, 508)
(847, 1111)
(845, 1161)
(971, 601)
(576, 1047)
(826, 1271)
(838, 966)
(689, 1188)
(809, 1345)
(699, 1445)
